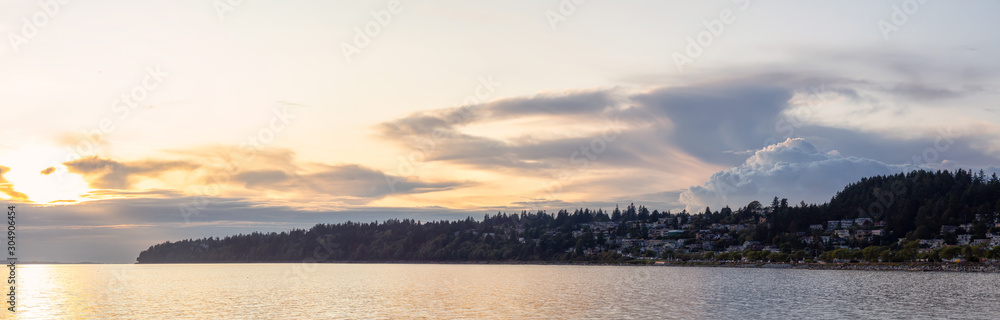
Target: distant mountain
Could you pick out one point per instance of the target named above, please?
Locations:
(915, 205)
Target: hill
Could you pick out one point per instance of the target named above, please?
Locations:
(940, 208)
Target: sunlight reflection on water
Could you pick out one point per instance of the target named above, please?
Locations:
(284, 291)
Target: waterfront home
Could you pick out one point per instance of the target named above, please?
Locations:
(832, 224)
(842, 233)
(862, 221)
(752, 245)
(980, 242)
(964, 239)
(932, 243)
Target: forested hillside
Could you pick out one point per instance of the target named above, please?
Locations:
(917, 205)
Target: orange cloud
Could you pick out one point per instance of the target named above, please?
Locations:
(8, 188)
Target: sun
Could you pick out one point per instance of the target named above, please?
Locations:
(37, 172)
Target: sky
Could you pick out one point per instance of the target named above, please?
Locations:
(129, 123)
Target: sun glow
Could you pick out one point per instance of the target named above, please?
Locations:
(37, 172)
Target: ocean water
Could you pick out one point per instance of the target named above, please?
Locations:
(422, 291)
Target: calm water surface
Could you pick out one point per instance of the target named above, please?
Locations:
(325, 291)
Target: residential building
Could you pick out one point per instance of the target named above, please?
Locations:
(842, 233)
(964, 239)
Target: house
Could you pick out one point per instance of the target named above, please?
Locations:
(964, 239)
(862, 221)
(877, 232)
(846, 223)
(842, 233)
(932, 243)
(752, 245)
(981, 242)
(818, 227)
(832, 224)
(707, 245)
(863, 234)
(668, 233)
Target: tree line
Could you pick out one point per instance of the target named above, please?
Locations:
(913, 205)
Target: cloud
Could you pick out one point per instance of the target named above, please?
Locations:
(669, 133)
(438, 135)
(8, 188)
(273, 174)
(350, 182)
(110, 174)
(793, 169)
(711, 120)
(48, 171)
(446, 121)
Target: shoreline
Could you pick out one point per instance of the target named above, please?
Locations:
(901, 266)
